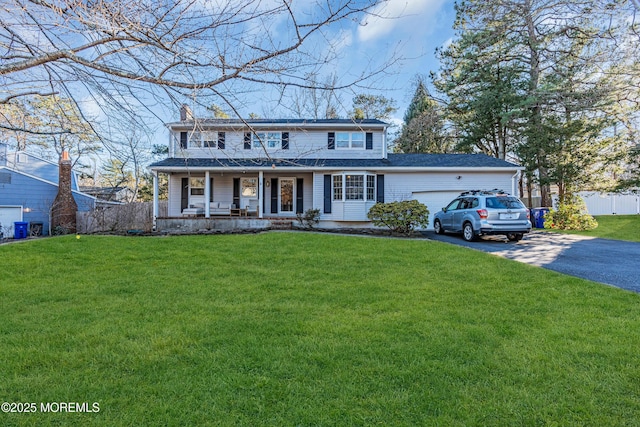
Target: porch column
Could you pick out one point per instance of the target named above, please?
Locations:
(260, 193)
(207, 197)
(155, 199)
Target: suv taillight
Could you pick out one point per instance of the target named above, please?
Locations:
(483, 213)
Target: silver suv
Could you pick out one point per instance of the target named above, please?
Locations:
(475, 213)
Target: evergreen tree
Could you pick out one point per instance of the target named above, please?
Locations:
(423, 130)
(373, 107)
(537, 81)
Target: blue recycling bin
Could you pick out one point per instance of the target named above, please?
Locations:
(20, 230)
(537, 217)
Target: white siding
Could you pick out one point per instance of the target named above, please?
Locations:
(435, 189)
(302, 144)
(223, 189)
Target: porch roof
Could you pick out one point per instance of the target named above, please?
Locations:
(393, 161)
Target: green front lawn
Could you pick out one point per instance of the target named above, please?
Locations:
(309, 329)
(617, 227)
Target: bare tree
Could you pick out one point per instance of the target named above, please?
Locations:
(139, 54)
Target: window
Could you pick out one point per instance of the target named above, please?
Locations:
(371, 187)
(195, 140)
(196, 186)
(504, 202)
(354, 187)
(250, 188)
(346, 140)
(453, 205)
(337, 187)
(207, 140)
(270, 140)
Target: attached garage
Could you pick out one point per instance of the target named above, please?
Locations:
(435, 200)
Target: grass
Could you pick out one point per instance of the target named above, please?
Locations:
(307, 329)
(617, 227)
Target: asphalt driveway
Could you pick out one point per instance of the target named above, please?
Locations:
(612, 262)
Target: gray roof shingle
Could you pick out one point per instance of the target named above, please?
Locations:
(393, 161)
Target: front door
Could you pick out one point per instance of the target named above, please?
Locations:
(287, 196)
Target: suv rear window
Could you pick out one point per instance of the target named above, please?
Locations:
(504, 202)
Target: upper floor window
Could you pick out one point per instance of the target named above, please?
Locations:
(345, 140)
(208, 139)
(270, 140)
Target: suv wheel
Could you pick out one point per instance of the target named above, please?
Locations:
(437, 227)
(467, 232)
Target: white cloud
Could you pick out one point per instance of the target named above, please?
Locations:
(403, 15)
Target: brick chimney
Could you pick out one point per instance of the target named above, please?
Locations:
(63, 211)
(185, 113)
(3, 154)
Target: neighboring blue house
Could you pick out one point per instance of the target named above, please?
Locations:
(31, 183)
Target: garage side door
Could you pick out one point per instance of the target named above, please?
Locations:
(9, 215)
(435, 200)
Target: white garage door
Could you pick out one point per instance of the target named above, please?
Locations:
(435, 200)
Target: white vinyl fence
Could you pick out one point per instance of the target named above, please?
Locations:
(611, 203)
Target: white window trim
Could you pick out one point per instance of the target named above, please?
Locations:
(259, 143)
(351, 147)
(194, 139)
(243, 186)
(364, 176)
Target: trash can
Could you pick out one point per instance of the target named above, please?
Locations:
(537, 217)
(20, 230)
(35, 228)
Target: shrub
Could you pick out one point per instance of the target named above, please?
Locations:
(401, 217)
(310, 218)
(571, 215)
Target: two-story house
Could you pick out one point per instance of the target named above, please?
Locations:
(274, 169)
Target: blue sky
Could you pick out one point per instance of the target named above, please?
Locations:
(413, 29)
(420, 27)
(408, 29)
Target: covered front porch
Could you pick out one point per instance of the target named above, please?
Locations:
(227, 199)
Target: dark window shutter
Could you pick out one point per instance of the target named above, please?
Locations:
(327, 194)
(183, 140)
(369, 141)
(285, 140)
(236, 192)
(221, 140)
(274, 195)
(331, 141)
(299, 195)
(247, 140)
(211, 190)
(380, 188)
(184, 194)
